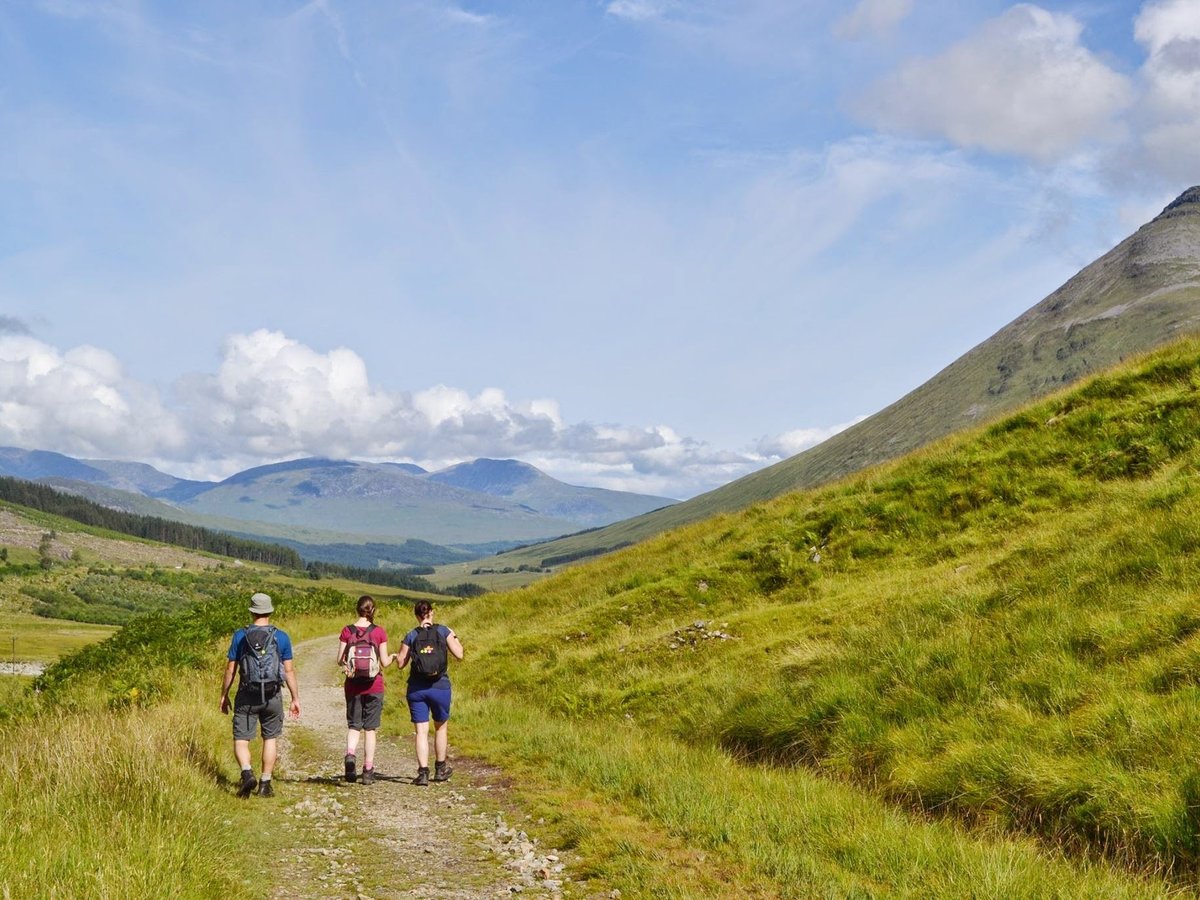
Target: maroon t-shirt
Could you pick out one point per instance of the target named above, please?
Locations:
(356, 686)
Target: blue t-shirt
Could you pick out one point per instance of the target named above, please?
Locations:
(239, 638)
(416, 682)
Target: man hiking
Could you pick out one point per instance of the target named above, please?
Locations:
(262, 655)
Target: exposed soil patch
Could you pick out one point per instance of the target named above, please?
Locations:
(16, 531)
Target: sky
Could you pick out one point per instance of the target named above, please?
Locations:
(647, 245)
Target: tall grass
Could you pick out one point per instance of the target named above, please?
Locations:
(120, 805)
(662, 817)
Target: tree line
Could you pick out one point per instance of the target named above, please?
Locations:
(153, 528)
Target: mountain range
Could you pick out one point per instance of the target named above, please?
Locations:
(1141, 294)
(316, 504)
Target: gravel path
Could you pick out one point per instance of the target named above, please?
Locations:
(22, 668)
(391, 839)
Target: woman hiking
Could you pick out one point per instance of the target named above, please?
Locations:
(363, 654)
(428, 647)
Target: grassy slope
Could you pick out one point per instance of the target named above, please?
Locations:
(1002, 630)
(1144, 292)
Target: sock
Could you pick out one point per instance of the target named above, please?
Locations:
(246, 769)
(265, 778)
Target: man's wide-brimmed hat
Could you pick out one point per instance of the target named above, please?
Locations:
(260, 604)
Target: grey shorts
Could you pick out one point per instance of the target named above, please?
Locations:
(250, 714)
(364, 712)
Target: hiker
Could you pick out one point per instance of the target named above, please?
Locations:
(363, 655)
(427, 646)
(262, 655)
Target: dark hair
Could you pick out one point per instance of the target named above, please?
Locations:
(366, 608)
(422, 609)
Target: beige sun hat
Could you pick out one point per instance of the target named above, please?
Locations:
(260, 604)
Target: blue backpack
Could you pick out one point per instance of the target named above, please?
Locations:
(259, 663)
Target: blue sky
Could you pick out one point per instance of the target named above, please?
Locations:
(642, 244)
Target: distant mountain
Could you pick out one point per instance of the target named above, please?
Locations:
(1141, 294)
(33, 465)
(139, 478)
(326, 507)
(535, 489)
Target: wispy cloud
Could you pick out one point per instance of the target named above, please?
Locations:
(872, 17)
(466, 17)
(637, 10)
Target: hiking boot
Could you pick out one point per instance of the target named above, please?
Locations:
(441, 772)
(249, 783)
(265, 789)
(350, 767)
(422, 778)
(368, 776)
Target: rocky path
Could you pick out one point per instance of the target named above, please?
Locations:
(391, 839)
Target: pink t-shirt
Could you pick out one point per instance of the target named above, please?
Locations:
(357, 686)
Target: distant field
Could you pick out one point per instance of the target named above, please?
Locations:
(44, 640)
(457, 573)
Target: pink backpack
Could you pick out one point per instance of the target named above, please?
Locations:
(362, 656)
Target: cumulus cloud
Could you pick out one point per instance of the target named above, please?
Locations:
(871, 17)
(79, 402)
(1023, 84)
(273, 397)
(1168, 117)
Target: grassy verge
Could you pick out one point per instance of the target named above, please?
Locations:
(91, 813)
(661, 818)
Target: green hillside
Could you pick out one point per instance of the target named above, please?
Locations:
(1141, 294)
(1002, 632)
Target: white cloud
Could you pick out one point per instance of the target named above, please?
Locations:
(78, 402)
(1161, 24)
(782, 446)
(273, 398)
(1168, 117)
(1023, 84)
(871, 17)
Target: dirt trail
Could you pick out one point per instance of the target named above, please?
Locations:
(391, 839)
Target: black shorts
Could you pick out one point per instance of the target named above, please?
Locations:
(250, 714)
(364, 712)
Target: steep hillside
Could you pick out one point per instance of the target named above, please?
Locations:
(1001, 629)
(1142, 293)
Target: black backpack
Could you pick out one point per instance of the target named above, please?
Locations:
(259, 662)
(430, 655)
